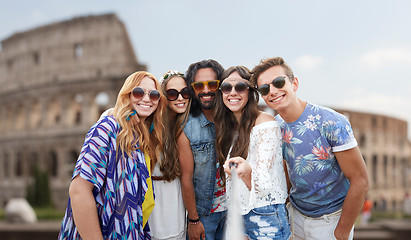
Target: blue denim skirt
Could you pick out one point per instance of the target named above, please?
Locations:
(268, 222)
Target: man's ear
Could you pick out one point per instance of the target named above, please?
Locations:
(296, 84)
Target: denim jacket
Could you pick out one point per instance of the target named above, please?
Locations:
(201, 134)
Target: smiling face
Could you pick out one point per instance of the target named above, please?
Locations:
(206, 96)
(278, 98)
(144, 106)
(180, 104)
(235, 101)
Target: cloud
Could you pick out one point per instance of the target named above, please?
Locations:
(308, 62)
(386, 56)
(37, 14)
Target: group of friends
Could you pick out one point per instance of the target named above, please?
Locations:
(158, 164)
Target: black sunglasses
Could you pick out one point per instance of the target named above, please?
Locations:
(172, 94)
(240, 87)
(278, 82)
(139, 93)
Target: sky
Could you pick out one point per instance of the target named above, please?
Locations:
(350, 54)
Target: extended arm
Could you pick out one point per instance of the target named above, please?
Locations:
(84, 209)
(185, 155)
(353, 167)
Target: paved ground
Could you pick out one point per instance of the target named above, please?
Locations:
(390, 229)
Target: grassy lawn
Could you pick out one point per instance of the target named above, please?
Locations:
(42, 214)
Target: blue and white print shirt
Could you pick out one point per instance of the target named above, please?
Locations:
(318, 185)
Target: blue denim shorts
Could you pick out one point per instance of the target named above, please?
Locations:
(268, 222)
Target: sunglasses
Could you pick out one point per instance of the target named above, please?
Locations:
(199, 86)
(278, 82)
(139, 93)
(172, 94)
(240, 87)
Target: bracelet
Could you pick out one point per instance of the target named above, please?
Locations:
(193, 221)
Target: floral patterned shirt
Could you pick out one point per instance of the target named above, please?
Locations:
(219, 200)
(318, 185)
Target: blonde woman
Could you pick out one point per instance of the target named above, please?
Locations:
(111, 194)
(168, 219)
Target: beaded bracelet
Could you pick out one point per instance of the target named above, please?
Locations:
(193, 221)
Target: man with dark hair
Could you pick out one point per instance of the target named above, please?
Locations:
(328, 177)
(202, 187)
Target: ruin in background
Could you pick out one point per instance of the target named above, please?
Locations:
(57, 79)
(55, 82)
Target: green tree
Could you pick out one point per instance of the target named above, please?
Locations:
(38, 192)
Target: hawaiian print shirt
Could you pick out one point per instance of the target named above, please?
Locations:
(318, 185)
(219, 200)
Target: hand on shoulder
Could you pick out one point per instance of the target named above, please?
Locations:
(264, 117)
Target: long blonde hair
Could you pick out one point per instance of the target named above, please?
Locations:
(134, 134)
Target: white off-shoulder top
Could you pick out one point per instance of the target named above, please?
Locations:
(268, 183)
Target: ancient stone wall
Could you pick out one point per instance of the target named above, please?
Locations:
(55, 82)
(386, 150)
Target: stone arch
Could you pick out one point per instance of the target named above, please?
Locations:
(19, 117)
(375, 170)
(35, 114)
(2, 170)
(3, 110)
(75, 110)
(6, 165)
(53, 112)
(71, 163)
(9, 126)
(405, 168)
(102, 101)
(52, 164)
(33, 162)
(93, 107)
(385, 170)
(19, 172)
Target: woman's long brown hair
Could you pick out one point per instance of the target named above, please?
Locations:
(174, 125)
(227, 125)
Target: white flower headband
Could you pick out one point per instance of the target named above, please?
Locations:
(171, 73)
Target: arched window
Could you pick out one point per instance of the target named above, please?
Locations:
(6, 165)
(33, 162)
(53, 164)
(385, 167)
(78, 50)
(374, 170)
(19, 164)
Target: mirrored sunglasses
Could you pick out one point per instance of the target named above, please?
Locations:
(139, 93)
(240, 87)
(199, 86)
(172, 94)
(278, 82)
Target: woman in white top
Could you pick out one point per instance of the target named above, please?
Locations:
(168, 219)
(252, 139)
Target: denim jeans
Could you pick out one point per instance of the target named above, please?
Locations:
(268, 222)
(214, 225)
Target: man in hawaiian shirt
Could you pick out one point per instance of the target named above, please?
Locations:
(328, 177)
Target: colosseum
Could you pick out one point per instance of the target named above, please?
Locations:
(57, 79)
(55, 82)
(386, 150)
